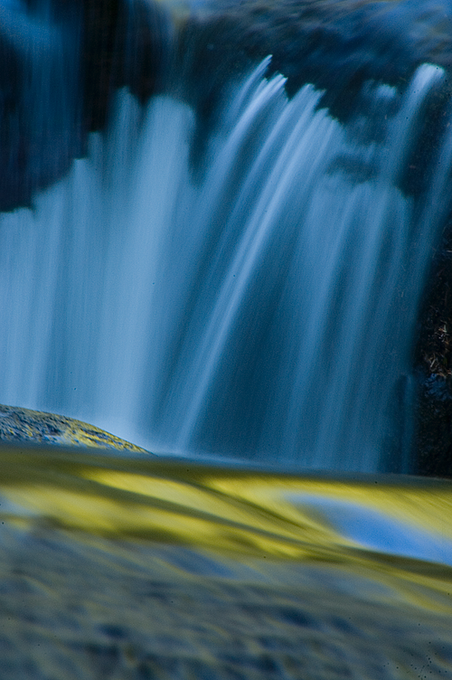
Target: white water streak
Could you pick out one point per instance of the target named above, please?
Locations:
(266, 310)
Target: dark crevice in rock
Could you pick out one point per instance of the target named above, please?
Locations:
(433, 363)
(125, 45)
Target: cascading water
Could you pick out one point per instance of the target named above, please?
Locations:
(261, 307)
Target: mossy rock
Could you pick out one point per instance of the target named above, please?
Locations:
(35, 427)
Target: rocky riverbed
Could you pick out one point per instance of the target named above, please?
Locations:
(76, 607)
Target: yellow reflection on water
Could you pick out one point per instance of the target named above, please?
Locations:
(330, 546)
(246, 511)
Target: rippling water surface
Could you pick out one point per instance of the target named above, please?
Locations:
(143, 567)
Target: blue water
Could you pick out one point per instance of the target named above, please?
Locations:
(262, 308)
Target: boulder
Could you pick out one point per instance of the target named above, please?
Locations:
(22, 425)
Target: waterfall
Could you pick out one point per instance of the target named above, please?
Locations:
(262, 306)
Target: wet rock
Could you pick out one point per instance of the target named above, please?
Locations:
(335, 46)
(35, 427)
(62, 64)
(434, 431)
(125, 44)
(433, 365)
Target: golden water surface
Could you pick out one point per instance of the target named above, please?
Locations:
(125, 565)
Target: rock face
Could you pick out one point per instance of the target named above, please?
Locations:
(66, 59)
(62, 63)
(433, 361)
(23, 426)
(125, 44)
(335, 46)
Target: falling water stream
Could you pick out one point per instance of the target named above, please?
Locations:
(241, 291)
(262, 307)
